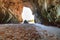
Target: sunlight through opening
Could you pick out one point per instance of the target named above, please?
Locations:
(27, 15)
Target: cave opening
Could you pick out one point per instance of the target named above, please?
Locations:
(27, 15)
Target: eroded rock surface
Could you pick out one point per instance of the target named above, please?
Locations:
(24, 32)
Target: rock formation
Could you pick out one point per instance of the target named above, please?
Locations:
(45, 11)
(15, 7)
(25, 32)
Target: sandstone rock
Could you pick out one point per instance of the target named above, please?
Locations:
(25, 32)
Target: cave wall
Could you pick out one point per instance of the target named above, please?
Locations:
(13, 7)
(16, 6)
(49, 12)
(39, 8)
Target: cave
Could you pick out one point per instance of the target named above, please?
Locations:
(29, 19)
(45, 12)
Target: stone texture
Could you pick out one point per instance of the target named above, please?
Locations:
(24, 32)
(15, 6)
(46, 15)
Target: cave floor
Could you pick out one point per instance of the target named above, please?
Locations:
(50, 29)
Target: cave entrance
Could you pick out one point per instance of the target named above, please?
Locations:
(27, 15)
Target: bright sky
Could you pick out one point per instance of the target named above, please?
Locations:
(27, 14)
